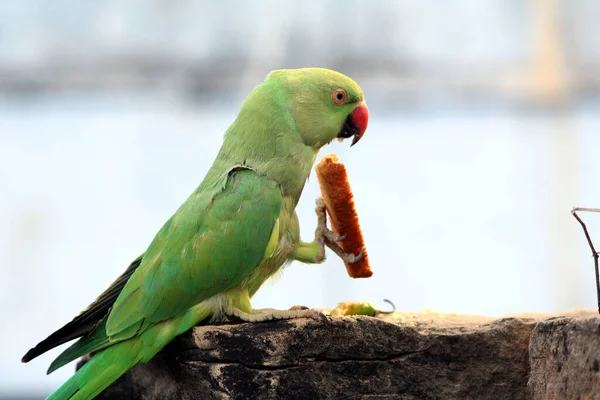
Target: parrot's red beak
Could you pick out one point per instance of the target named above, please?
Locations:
(360, 116)
(356, 123)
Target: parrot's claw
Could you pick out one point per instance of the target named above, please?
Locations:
(349, 258)
(355, 258)
(332, 236)
(340, 238)
(298, 308)
(270, 314)
(323, 318)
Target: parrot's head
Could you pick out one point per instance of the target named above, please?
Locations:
(324, 104)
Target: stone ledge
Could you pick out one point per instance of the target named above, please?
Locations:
(564, 353)
(399, 356)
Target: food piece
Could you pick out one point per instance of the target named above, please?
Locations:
(354, 308)
(339, 201)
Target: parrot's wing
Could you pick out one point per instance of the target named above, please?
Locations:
(88, 319)
(214, 241)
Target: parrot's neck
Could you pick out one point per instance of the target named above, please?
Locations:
(288, 165)
(264, 138)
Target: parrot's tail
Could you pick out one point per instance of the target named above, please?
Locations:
(108, 364)
(99, 372)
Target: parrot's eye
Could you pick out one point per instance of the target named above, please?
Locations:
(339, 96)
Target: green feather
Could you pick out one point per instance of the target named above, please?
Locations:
(184, 265)
(83, 346)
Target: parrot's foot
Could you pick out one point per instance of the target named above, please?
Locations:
(326, 237)
(314, 252)
(270, 314)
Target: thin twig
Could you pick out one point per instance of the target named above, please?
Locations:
(585, 209)
(589, 240)
(388, 312)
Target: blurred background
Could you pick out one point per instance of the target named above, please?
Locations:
(484, 133)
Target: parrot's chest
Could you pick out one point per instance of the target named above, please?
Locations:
(289, 234)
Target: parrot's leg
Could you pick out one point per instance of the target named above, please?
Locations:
(310, 253)
(270, 314)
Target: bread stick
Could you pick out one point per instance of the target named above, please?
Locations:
(337, 194)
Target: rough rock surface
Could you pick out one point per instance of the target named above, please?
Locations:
(565, 357)
(399, 356)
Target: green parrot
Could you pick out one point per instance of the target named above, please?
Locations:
(237, 229)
